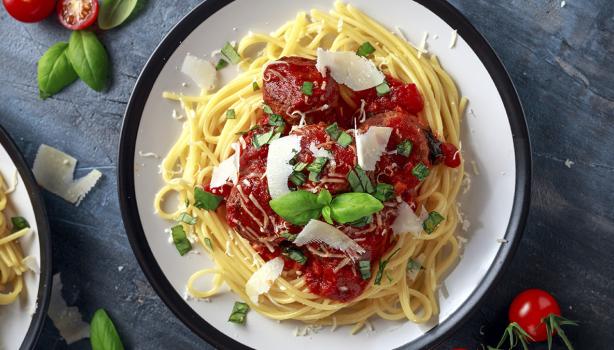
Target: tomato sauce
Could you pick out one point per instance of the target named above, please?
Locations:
(329, 272)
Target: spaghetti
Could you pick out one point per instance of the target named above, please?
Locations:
(207, 137)
(12, 264)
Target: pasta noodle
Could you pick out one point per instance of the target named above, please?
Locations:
(12, 266)
(206, 140)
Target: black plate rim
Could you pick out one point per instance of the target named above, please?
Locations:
(44, 239)
(152, 270)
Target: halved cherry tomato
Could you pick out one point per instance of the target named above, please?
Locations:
(29, 10)
(77, 14)
(529, 308)
(451, 155)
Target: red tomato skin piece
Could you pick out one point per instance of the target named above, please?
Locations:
(529, 308)
(29, 11)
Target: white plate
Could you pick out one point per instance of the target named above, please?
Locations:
(21, 321)
(494, 136)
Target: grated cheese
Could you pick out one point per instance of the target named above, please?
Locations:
(371, 145)
(54, 170)
(149, 155)
(406, 221)
(356, 72)
(261, 281)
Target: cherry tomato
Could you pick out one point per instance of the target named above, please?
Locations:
(29, 10)
(451, 155)
(77, 14)
(529, 308)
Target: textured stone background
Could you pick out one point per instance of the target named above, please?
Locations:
(560, 60)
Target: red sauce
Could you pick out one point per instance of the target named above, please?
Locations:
(327, 271)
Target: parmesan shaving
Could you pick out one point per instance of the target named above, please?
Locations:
(371, 145)
(406, 221)
(356, 72)
(261, 281)
(453, 38)
(320, 152)
(66, 319)
(278, 168)
(226, 170)
(202, 72)
(31, 263)
(54, 170)
(318, 231)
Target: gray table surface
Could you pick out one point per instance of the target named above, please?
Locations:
(561, 61)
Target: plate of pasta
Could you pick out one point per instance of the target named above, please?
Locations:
(25, 252)
(338, 174)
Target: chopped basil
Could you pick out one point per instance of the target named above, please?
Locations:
(363, 221)
(276, 120)
(231, 53)
(208, 243)
(307, 88)
(404, 148)
(420, 171)
(365, 49)
(382, 267)
(359, 181)
(295, 255)
(333, 131)
(365, 269)
(327, 214)
(382, 89)
(206, 200)
(352, 206)
(263, 139)
(267, 109)
(300, 166)
(297, 207)
(435, 153)
(19, 223)
(288, 236)
(314, 177)
(383, 191)
(255, 86)
(324, 197)
(297, 178)
(413, 266)
(432, 221)
(230, 114)
(317, 165)
(345, 139)
(239, 313)
(221, 64)
(181, 241)
(186, 218)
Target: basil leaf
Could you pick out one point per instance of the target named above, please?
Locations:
(326, 214)
(420, 171)
(365, 269)
(382, 267)
(383, 191)
(348, 207)
(239, 313)
(359, 181)
(345, 139)
(297, 178)
(297, 207)
(182, 243)
(187, 218)
(382, 89)
(208, 243)
(288, 236)
(103, 335)
(89, 58)
(206, 200)
(19, 223)
(432, 221)
(295, 255)
(54, 70)
(221, 64)
(404, 148)
(364, 221)
(333, 131)
(365, 49)
(115, 12)
(324, 197)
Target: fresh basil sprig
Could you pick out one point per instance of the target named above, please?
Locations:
(54, 70)
(115, 12)
(103, 335)
(298, 207)
(89, 59)
(19, 223)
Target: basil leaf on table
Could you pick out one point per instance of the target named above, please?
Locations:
(349, 207)
(54, 70)
(103, 335)
(115, 12)
(297, 207)
(89, 59)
